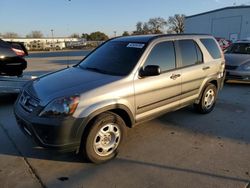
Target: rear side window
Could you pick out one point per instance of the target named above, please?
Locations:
(163, 55)
(211, 47)
(190, 52)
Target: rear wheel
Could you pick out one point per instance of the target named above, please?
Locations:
(104, 137)
(208, 100)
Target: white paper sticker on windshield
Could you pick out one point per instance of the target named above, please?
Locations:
(135, 45)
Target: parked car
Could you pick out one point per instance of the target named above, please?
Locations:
(12, 62)
(238, 61)
(224, 44)
(122, 83)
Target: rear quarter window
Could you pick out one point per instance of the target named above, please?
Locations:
(212, 48)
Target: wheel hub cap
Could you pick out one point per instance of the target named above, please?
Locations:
(107, 139)
(209, 98)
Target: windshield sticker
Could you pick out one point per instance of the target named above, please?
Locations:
(135, 45)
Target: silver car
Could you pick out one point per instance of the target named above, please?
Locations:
(126, 81)
(238, 61)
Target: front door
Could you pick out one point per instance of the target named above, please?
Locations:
(156, 94)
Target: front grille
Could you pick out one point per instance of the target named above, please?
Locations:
(230, 67)
(28, 102)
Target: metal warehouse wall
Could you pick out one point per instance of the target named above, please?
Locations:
(231, 23)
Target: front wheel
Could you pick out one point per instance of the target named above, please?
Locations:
(104, 137)
(208, 99)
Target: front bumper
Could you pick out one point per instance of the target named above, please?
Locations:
(238, 75)
(54, 133)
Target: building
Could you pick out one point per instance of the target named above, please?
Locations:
(232, 23)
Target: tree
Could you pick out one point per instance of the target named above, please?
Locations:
(10, 35)
(156, 25)
(139, 29)
(74, 35)
(176, 23)
(98, 36)
(85, 36)
(125, 33)
(35, 34)
(146, 29)
(153, 26)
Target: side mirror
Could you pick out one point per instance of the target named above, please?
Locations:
(150, 70)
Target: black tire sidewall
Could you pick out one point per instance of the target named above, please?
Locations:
(99, 122)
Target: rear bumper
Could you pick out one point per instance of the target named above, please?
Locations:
(59, 134)
(13, 65)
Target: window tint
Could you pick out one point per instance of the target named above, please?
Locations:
(190, 53)
(114, 57)
(212, 48)
(163, 55)
(239, 48)
(3, 44)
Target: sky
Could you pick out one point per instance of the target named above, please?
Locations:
(85, 16)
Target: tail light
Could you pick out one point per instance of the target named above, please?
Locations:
(18, 52)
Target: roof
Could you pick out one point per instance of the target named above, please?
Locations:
(148, 38)
(217, 10)
(135, 38)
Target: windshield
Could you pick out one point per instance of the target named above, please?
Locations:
(239, 48)
(114, 57)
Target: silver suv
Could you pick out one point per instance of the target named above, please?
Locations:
(122, 83)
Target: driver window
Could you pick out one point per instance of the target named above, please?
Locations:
(163, 55)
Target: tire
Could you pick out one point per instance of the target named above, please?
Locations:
(104, 137)
(208, 100)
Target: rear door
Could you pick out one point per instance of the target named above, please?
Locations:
(192, 68)
(157, 94)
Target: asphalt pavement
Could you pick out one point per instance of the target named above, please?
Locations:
(180, 149)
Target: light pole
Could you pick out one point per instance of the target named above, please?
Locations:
(115, 33)
(52, 33)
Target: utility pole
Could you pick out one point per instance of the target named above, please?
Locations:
(52, 33)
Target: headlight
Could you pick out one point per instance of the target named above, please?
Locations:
(61, 107)
(245, 66)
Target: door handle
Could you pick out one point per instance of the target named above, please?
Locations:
(174, 76)
(206, 68)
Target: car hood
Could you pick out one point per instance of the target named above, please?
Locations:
(67, 82)
(236, 59)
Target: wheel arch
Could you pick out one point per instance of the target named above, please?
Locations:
(118, 109)
(210, 81)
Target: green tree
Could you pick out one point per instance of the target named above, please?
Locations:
(35, 34)
(125, 33)
(85, 36)
(176, 23)
(98, 36)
